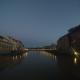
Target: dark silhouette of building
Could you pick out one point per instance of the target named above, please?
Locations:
(70, 41)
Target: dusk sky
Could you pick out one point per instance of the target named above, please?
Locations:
(38, 22)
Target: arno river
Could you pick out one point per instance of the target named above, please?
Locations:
(39, 65)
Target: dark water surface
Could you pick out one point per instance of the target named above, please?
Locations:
(39, 65)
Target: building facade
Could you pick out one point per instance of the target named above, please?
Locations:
(70, 41)
(8, 44)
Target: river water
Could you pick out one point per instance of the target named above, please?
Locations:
(39, 65)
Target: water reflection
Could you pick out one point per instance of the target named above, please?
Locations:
(10, 61)
(75, 60)
(54, 57)
(50, 56)
(61, 66)
(42, 65)
(19, 56)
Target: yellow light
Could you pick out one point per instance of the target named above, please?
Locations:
(76, 53)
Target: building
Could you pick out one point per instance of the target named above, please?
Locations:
(9, 44)
(70, 42)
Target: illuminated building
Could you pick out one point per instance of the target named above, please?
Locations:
(8, 44)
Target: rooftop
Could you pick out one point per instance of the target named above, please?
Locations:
(76, 28)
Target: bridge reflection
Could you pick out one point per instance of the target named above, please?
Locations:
(54, 57)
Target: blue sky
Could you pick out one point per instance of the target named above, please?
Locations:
(38, 22)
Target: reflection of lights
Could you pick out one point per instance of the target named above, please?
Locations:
(16, 57)
(75, 60)
(45, 53)
(54, 57)
(20, 56)
(26, 54)
(49, 55)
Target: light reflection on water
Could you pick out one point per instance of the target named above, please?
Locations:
(7, 61)
(39, 65)
(49, 55)
(75, 60)
(19, 56)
